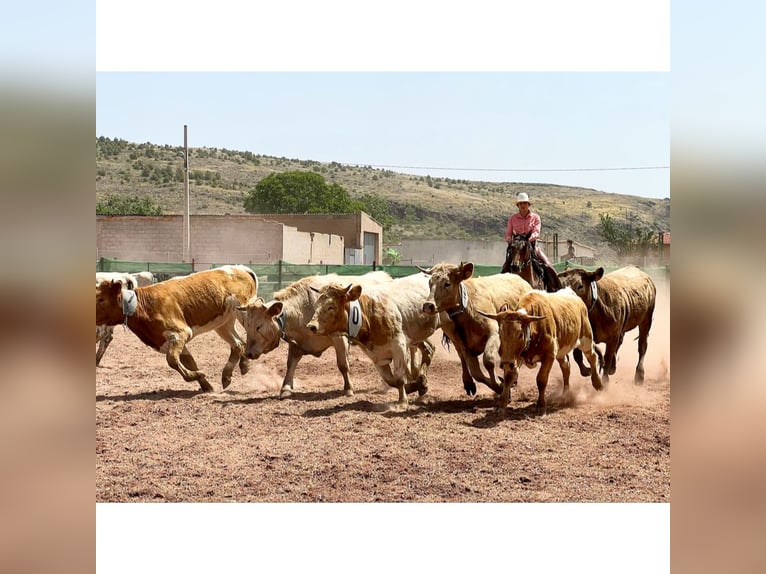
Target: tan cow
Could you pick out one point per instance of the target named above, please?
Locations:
(460, 298)
(544, 328)
(617, 303)
(167, 315)
(387, 321)
(285, 318)
(105, 333)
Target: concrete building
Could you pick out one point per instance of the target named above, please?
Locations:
(363, 236)
(215, 239)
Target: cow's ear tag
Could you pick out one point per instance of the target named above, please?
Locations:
(593, 292)
(354, 318)
(463, 296)
(129, 302)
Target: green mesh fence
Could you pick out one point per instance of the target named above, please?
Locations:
(274, 276)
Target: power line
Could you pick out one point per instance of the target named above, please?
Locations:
(432, 168)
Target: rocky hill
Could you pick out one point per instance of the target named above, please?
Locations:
(423, 207)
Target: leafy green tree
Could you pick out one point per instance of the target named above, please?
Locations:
(298, 192)
(625, 239)
(378, 209)
(127, 205)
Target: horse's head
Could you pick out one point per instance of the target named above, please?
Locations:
(519, 252)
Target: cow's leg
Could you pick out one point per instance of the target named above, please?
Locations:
(341, 345)
(228, 334)
(584, 371)
(427, 353)
(589, 349)
(510, 380)
(542, 382)
(103, 342)
(176, 343)
(399, 357)
(450, 332)
(420, 358)
(565, 371)
(244, 362)
(294, 355)
(491, 350)
(643, 335)
(610, 358)
(187, 360)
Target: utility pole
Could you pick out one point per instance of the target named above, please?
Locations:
(186, 230)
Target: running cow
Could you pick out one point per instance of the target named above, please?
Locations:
(617, 302)
(104, 333)
(167, 315)
(544, 328)
(461, 301)
(284, 319)
(387, 321)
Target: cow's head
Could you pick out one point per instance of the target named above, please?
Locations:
(515, 336)
(331, 308)
(444, 282)
(109, 303)
(583, 283)
(261, 322)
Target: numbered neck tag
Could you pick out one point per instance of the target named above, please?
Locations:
(593, 295)
(129, 302)
(281, 323)
(354, 318)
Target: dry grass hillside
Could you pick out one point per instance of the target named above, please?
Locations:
(423, 207)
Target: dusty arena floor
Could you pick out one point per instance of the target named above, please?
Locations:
(159, 439)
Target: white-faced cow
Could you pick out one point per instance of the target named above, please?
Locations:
(285, 318)
(459, 299)
(544, 328)
(617, 302)
(387, 321)
(105, 333)
(167, 315)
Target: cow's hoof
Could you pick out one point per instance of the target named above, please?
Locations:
(205, 387)
(244, 366)
(348, 392)
(285, 392)
(470, 388)
(226, 382)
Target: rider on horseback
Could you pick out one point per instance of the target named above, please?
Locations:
(525, 222)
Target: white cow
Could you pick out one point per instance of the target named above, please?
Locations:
(387, 321)
(284, 318)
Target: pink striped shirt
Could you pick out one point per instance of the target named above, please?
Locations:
(519, 224)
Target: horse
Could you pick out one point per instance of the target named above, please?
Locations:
(518, 260)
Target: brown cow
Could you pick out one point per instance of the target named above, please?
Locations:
(544, 328)
(459, 298)
(617, 302)
(285, 318)
(168, 315)
(104, 333)
(387, 322)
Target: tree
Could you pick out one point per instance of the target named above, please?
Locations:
(378, 209)
(625, 239)
(298, 192)
(391, 257)
(127, 205)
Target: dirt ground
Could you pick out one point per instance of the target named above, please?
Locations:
(159, 439)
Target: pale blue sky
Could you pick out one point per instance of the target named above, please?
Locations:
(482, 121)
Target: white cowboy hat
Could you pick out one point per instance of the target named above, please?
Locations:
(522, 197)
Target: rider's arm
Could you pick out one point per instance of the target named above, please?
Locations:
(535, 224)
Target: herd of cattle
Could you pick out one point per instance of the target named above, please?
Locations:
(498, 317)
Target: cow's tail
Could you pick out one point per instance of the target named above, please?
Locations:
(446, 342)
